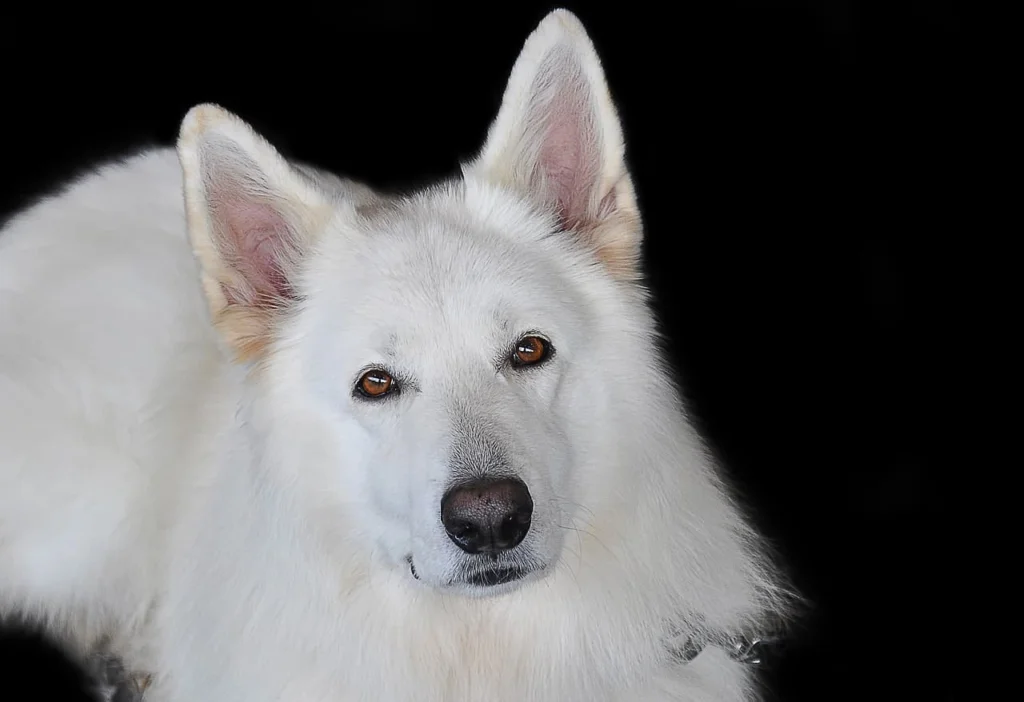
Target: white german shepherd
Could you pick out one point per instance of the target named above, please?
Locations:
(416, 449)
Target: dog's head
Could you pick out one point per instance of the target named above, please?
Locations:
(442, 343)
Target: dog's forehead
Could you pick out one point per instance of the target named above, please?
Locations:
(421, 253)
(414, 274)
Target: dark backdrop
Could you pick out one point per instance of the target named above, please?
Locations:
(793, 163)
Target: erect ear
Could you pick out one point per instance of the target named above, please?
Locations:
(557, 139)
(251, 219)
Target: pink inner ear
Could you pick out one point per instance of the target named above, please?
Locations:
(254, 240)
(569, 157)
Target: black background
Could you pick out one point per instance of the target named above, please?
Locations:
(794, 165)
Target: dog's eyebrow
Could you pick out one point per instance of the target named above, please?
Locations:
(390, 348)
(500, 314)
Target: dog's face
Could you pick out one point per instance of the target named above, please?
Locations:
(447, 333)
(448, 342)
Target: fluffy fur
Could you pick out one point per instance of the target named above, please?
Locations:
(188, 478)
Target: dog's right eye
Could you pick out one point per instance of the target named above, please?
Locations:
(531, 350)
(376, 383)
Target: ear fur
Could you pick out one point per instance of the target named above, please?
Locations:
(557, 140)
(251, 219)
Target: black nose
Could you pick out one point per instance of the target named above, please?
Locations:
(487, 516)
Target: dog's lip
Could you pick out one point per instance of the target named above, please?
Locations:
(489, 577)
(496, 576)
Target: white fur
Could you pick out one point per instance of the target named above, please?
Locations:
(241, 529)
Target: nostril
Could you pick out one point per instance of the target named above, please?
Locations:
(515, 521)
(511, 527)
(458, 527)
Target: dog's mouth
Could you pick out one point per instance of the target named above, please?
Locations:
(488, 577)
(495, 576)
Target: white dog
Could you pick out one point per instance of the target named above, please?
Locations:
(414, 450)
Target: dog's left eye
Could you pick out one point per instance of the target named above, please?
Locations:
(531, 351)
(374, 384)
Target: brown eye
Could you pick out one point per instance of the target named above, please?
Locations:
(530, 350)
(375, 383)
